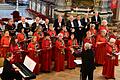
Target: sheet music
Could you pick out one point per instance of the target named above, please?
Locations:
(29, 63)
(78, 61)
(1, 70)
(119, 57)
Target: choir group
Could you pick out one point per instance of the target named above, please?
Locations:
(46, 43)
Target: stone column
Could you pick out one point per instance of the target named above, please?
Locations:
(118, 11)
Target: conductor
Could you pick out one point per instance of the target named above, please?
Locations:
(88, 65)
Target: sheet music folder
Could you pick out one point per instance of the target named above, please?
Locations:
(78, 62)
(26, 69)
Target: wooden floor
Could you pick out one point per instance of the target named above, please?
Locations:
(74, 74)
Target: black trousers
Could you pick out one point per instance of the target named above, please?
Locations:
(13, 76)
(88, 74)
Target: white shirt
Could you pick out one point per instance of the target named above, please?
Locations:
(46, 26)
(96, 18)
(86, 20)
(60, 24)
(24, 25)
(79, 23)
(72, 24)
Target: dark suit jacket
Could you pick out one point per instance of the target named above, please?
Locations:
(93, 20)
(44, 27)
(8, 71)
(56, 25)
(33, 26)
(10, 28)
(20, 26)
(68, 24)
(88, 63)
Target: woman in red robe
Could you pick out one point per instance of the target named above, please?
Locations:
(89, 39)
(109, 65)
(39, 34)
(5, 43)
(46, 60)
(17, 51)
(52, 34)
(51, 31)
(92, 29)
(65, 34)
(60, 53)
(72, 45)
(21, 36)
(33, 53)
(103, 26)
(100, 47)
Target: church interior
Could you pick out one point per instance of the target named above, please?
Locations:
(55, 55)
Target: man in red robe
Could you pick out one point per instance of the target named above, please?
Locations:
(46, 54)
(109, 65)
(60, 53)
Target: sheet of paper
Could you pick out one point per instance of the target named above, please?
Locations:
(1, 70)
(119, 57)
(78, 61)
(29, 63)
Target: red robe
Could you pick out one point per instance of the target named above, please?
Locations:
(65, 36)
(39, 36)
(5, 41)
(53, 39)
(100, 49)
(70, 56)
(18, 57)
(93, 31)
(118, 46)
(113, 36)
(109, 65)
(46, 60)
(89, 40)
(20, 37)
(59, 55)
(52, 33)
(102, 28)
(34, 56)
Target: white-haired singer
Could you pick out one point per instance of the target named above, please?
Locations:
(109, 66)
(88, 64)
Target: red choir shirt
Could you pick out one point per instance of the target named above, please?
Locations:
(103, 28)
(109, 48)
(39, 35)
(46, 44)
(93, 31)
(100, 39)
(20, 37)
(65, 33)
(72, 42)
(5, 40)
(89, 40)
(60, 44)
(118, 44)
(113, 36)
(52, 33)
(31, 46)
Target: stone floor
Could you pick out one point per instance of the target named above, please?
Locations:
(74, 74)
